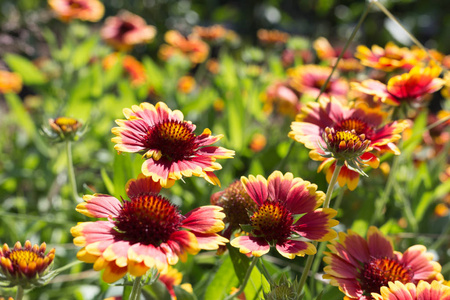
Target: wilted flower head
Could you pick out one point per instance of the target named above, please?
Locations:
(361, 266)
(169, 144)
(63, 128)
(127, 30)
(408, 88)
(286, 214)
(335, 133)
(409, 291)
(147, 231)
(26, 266)
(85, 10)
(10, 82)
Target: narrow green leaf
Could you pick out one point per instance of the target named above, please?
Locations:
(26, 69)
(108, 182)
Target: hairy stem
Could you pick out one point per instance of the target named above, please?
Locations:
(136, 290)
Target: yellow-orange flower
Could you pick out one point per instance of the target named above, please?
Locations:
(192, 48)
(213, 34)
(282, 98)
(329, 54)
(186, 84)
(389, 58)
(10, 82)
(134, 68)
(85, 10)
(126, 30)
(272, 37)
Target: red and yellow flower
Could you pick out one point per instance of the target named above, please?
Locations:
(147, 231)
(336, 132)
(212, 34)
(281, 98)
(410, 88)
(361, 266)
(409, 291)
(170, 147)
(171, 277)
(387, 59)
(286, 213)
(127, 30)
(309, 79)
(25, 266)
(272, 37)
(10, 82)
(192, 48)
(85, 10)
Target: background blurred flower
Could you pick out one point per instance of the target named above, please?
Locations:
(211, 34)
(126, 30)
(272, 37)
(281, 98)
(361, 266)
(63, 128)
(144, 232)
(389, 58)
(85, 10)
(409, 88)
(286, 211)
(186, 84)
(172, 150)
(194, 49)
(10, 82)
(26, 266)
(134, 68)
(327, 53)
(409, 291)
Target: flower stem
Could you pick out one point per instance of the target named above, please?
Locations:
(245, 281)
(70, 171)
(19, 293)
(136, 290)
(326, 204)
(266, 273)
(350, 39)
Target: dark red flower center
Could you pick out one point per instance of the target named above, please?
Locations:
(320, 82)
(148, 219)
(174, 139)
(379, 271)
(272, 221)
(345, 141)
(77, 4)
(357, 125)
(125, 27)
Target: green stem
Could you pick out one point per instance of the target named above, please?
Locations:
(70, 171)
(19, 293)
(245, 281)
(347, 44)
(136, 290)
(266, 273)
(412, 37)
(284, 160)
(326, 204)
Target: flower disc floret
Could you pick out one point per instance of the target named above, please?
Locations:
(25, 266)
(344, 145)
(272, 221)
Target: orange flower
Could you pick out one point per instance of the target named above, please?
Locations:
(10, 82)
(329, 54)
(193, 48)
(215, 33)
(387, 59)
(272, 37)
(86, 10)
(258, 142)
(280, 97)
(186, 84)
(408, 88)
(131, 65)
(126, 30)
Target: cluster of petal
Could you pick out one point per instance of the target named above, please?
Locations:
(309, 79)
(134, 68)
(361, 266)
(422, 291)
(25, 265)
(170, 147)
(192, 47)
(389, 58)
(127, 30)
(287, 210)
(85, 10)
(10, 82)
(409, 87)
(311, 123)
(118, 249)
(327, 53)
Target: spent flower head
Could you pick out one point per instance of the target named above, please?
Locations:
(26, 266)
(64, 129)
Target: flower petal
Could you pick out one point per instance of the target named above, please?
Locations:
(291, 248)
(99, 206)
(248, 244)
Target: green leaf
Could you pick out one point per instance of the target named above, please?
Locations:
(223, 281)
(82, 53)
(108, 182)
(240, 262)
(26, 69)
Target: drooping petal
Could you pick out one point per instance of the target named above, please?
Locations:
(292, 248)
(248, 244)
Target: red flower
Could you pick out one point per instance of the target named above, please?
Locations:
(144, 232)
(86, 10)
(387, 59)
(170, 147)
(422, 291)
